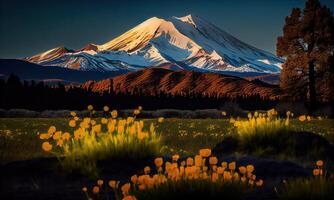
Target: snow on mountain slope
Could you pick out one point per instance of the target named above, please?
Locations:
(188, 41)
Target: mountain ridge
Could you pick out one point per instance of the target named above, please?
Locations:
(152, 81)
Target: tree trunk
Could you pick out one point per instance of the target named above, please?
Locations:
(311, 85)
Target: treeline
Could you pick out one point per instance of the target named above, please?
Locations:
(39, 96)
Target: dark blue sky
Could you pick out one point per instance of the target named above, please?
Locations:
(28, 27)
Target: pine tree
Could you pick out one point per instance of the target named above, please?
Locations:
(307, 44)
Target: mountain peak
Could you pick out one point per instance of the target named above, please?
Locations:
(189, 42)
(187, 19)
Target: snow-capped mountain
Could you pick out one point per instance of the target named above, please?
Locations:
(188, 42)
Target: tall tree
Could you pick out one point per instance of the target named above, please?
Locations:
(308, 45)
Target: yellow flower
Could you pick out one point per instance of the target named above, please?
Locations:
(160, 119)
(92, 122)
(308, 118)
(158, 162)
(140, 108)
(320, 163)
(176, 157)
(232, 120)
(104, 120)
(213, 160)
(106, 108)
(73, 113)
(129, 197)
(134, 179)
(114, 114)
(96, 189)
(302, 118)
(76, 118)
(231, 165)
(100, 182)
(46, 146)
(205, 152)
(57, 135)
(250, 168)
(90, 107)
(113, 184)
(72, 123)
(224, 113)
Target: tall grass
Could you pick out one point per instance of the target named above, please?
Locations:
(262, 133)
(320, 186)
(92, 141)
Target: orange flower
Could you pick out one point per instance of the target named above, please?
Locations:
(57, 135)
(66, 136)
(125, 188)
(51, 130)
(242, 170)
(106, 108)
(60, 143)
(231, 165)
(46, 146)
(176, 157)
(160, 119)
(100, 182)
(190, 161)
(198, 160)
(158, 162)
(84, 189)
(213, 160)
(104, 120)
(90, 107)
(113, 184)
(302, 118)
(205, 152)
(316, 172)
(73, 114)
(129, 197)
(147, 170)
(114, 114)
(250, 168)
(72, 123)
(96, 189)
(320, 163)
(134, 179)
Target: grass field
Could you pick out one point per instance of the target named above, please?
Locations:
(19, 140)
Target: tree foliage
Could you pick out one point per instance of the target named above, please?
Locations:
(308, 45)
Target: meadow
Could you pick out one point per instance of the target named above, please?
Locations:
(19, 139)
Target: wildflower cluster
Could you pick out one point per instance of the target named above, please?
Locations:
(261, 122)
(97, 139)
(202, 168)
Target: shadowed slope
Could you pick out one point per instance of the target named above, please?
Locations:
(159, 80)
